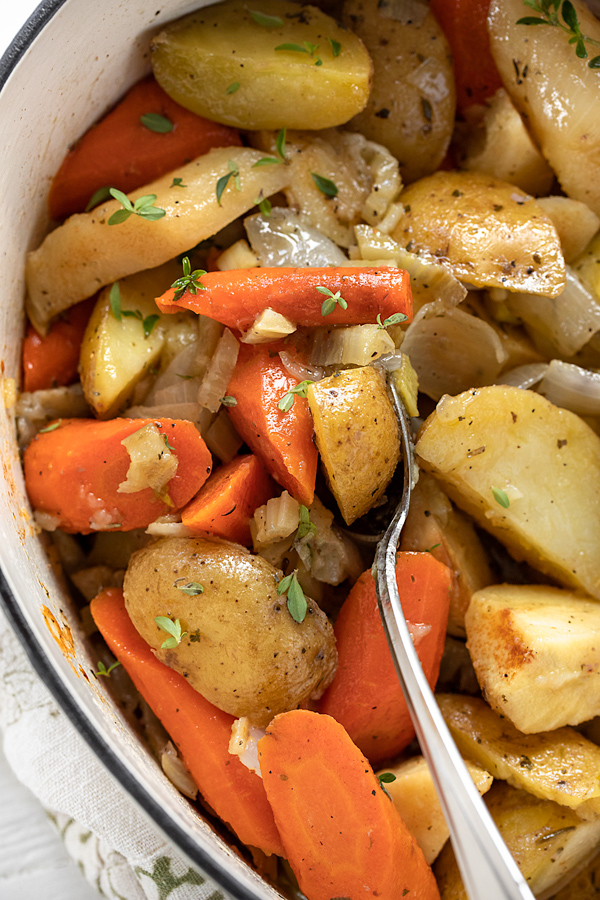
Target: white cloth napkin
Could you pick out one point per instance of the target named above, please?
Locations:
(119, 852)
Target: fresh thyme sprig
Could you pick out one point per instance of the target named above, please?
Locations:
(102, 670)
(296, 601)
(189, 281)
(328, 305)
(142, 207)
(281, 158)
(114, 299)
(550, 13)
(172, 628)
(234, 172)
(287, 401)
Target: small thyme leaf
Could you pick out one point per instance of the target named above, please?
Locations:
(178, 182)
(167, 444)
(228, 401)
(336, 47)
(280, 143)
(114, 299)
(264, 204)
(266, 21)
(222, 183)
(280, 148)
(325, 185)
(501, 497)
(332, 300)
(148, 324)
(386, 778)
(172, 628)
(432, 548)
(192, 588)
(306, 526)
(157, 123)
(394, 319)
(293, 48)
(51, 427)
(233, 87)
(143, 207)
(570, 24)
(296, 601)
(102, 670)
(98, 197)
(287, 401)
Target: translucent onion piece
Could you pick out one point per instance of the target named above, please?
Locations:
(173, 385)
(328, 555)
(452, 351)
(152, 463)
(387, 183)
(277, 519)
(301, 371)
(219, 372)
(221, 438)
(177, 773)
(34, 410)
(267, 327)
(567, 321)
(356, 345)
(572, 387)
(168, 526)
(244, 743)
(282, 239)
(524, 376)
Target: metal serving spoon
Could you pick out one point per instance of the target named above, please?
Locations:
(487, 868)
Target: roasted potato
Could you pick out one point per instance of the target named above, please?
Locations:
(536, 652)
(298, 69)
(242, 649)
(85, 253)
(527, 471)
(559, 765)
(357, 436)
(488, 232)
(413, 100)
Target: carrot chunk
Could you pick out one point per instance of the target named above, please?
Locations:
(200, 731)
(342, 835)
(52, 360)
(365, 695)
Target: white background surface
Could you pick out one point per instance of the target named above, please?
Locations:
(33, 862)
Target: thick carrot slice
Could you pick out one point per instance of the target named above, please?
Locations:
(464, 23)
(342, 835)
(235, 298)
(52, 361)
(200, 731)
(73, 472)
(121, 152)
(282, 440)
(226, 503)
(365, 695)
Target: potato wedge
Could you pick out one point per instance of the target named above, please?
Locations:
(416, 799)
(549, 842)
(198, 58)
(243, 651)
(357, 435)
(488, 232)
(574, 221)
(532, 61)
(541, 460)
(85, 253)
(412, 103)
(116, 354)
(433, 524)
(536, 652)
(560, 765)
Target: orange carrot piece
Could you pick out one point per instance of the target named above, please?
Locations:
(73, 472)
(123, 153)
(52, 361)
(464, 22)
(225, 504)
(282, 440)
(200, 731)
(342, 835)
(235, 298)
(365, 695)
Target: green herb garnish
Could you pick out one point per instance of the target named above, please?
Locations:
(386, 778)
(233, 87)
(167, 444)
(287, 401)
(549, 11)
(97, 197)
(114, 299)
(189, 281)
(280, 148)
(304, 47)
(395, 319)
(172, 628)
(191, 588)
(228, 401)
(296, 601)
(432, 548)
(102, 670)
(52, 427)
(143, 207)
(326, 186)
(501, 497)
(157, 123)
(264, 204)
(328, 305)
(306, 526)
(266, 21)
(336, 47)
(178, 182)
(234, 172)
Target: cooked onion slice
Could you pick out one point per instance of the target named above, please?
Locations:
(572, 387)
(524, 376)
(277, 519)
(177, 773)
(268, 326)
(356, 345)
(284, 239)
(452, 351)
(152, 463)
(219, 372)
(244, 743)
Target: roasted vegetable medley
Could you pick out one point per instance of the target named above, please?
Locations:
(296, 206)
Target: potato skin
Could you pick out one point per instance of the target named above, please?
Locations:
(243, 651)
